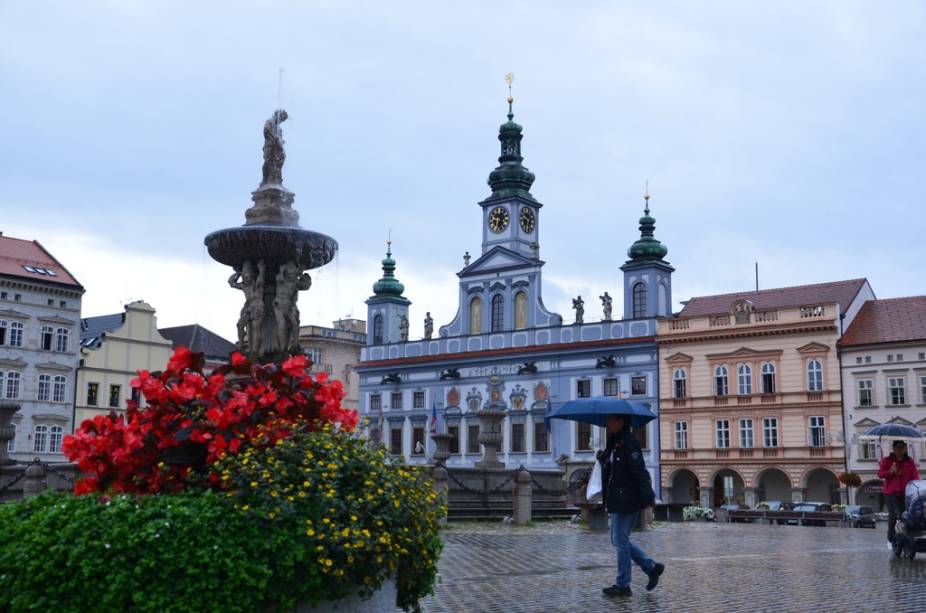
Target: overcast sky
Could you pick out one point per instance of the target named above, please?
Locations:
(788, 133)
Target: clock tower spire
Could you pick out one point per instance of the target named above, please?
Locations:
(510, 213)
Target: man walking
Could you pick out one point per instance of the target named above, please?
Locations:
(896, 470)
(626, 490)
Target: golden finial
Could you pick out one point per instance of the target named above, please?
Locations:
(389, 243)
(646, 196)
(509, 79)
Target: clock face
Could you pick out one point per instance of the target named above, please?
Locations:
(498, 219)
(527, 219)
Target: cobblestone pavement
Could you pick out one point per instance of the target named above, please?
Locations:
(709, 567)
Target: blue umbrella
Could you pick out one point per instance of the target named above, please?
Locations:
(893, 431)
(596, 410)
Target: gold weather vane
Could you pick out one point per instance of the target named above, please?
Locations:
(509, 79)
(646, 195)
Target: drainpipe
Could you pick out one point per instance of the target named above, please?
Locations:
(842, 404)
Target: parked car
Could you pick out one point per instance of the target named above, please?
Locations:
(811, 507)
(733, 506)
(775, 505)
(860, 517)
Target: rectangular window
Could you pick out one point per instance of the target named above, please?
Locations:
(583, 388)
(638, 385)
(923, 389)
(55, 436)
(11, 444)
(681, 435)
(867, 450)
(48, 334)
(896, 391)
(472, 439)
(396, 401)
(418, 444)
(44, 387)
(864, 392)
(817, 431)
(395, 441)
(746, 433)
(517, 438)
(541, 438)
(418, 400)
(376, 402)
(136, 395)
(769, 432)
(3, 327)
(454, 431)
(93, 390)
(610, 387)
(60, 388)
(858, 360)
(723, 433)
(583, 437)
(868, 359)
(16, 334)
(115, 396)
(40, 443)
(890, 357)
(61, 339)
(641, 436)
(680, 385)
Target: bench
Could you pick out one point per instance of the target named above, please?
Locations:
(734, 515)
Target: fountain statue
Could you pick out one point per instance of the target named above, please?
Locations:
(270, 255)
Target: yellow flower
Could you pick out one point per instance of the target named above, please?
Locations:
(253, 483)
(245, 507)
(326, 520)
(310, 532)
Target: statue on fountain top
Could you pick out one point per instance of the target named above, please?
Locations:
(274, 154)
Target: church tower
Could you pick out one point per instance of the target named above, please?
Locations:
(387, 308)
(647, 276)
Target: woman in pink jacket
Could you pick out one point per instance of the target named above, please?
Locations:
(896, 470)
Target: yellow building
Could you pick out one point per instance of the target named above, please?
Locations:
(750, 395)
(336, 351)
(113, 348)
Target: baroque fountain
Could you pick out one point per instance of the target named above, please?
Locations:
(270, 255)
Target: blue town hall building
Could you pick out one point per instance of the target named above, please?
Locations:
(504, 346)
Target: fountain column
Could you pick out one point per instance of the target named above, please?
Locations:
(270, 255)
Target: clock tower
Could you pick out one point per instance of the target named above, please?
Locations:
(510, 215)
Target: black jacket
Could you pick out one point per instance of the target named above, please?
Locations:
(626, 484)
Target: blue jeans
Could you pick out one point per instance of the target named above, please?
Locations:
(621, 525)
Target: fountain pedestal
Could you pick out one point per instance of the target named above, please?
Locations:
(490, 437)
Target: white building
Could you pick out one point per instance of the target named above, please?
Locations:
(883, 356)
(39, 346)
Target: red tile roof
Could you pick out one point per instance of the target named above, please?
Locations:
(887, 321)
(840, 292)
(15, 253)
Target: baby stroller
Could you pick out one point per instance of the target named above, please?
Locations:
(910, 529)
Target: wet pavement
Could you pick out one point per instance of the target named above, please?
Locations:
(709, 567)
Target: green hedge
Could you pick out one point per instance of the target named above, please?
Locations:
(188, 552)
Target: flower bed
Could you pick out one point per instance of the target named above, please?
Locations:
(264, 457)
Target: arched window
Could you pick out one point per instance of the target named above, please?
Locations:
(814, 376)
(40, 437)
(520, 310)
(498, 313)
(744, 379)
(12, 385)
(377, 329)
(61, 339)
(720, 381)
(55, 434)
(48, 334)
(44, 392)
(680, 379)
(475, 315)
(60, 388)
(639, 300)
(768, 378)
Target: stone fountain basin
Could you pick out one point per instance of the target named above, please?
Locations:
(272, 244)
